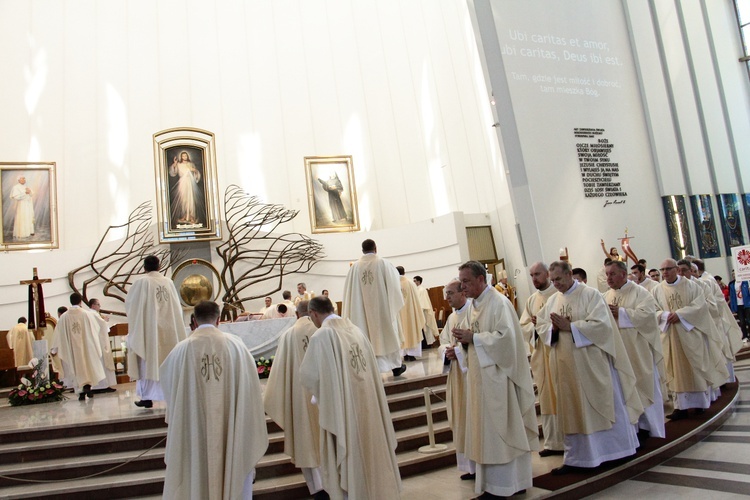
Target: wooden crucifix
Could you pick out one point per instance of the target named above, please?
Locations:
(36, 319)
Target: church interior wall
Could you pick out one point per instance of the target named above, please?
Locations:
(401, 87)
(671, 134)
(394, 84)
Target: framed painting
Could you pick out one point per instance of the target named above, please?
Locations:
(331, 194)
(730, 214)
(675, 211)
(705, 226)
(29, 204)
(186, 185)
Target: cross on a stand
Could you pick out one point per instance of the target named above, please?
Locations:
(36, 319)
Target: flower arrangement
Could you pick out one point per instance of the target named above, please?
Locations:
(40, 389)
(264, 366)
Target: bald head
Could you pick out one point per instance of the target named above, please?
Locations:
(669, 270)
(539, 273)
(303, 308)
(454, 294)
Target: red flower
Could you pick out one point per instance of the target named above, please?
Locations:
(22, 393)
(50, 391)
(261, 369)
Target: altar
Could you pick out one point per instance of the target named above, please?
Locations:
(261, 337)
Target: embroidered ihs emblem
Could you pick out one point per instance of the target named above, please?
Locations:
(674, 301)
(161, 293)
(76, 329)
(305, 343)
(566, 311)
(210, 364)
(367, 278)
(357, 359)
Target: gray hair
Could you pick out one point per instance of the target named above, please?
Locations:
(561, 265)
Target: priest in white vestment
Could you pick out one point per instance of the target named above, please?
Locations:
(540, 370)
(357, 440)
(693, 357)
(412, 318)
(268, 303)
(23, 223)
(288, 403)
(634, 309)
(372, 301)
(590, 367)
(216, 425)
(501, 424)
(728, 324)
(642, 279)
(303, 294)
(20, 339)
(108, 362)
(155, 326)
(455, 387)
(77, 344)
(430, 328)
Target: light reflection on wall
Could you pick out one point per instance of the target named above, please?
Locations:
(440, 200)
(250, 166)
(117, 145)
(35, 76)
(35, 150)
(353, 144)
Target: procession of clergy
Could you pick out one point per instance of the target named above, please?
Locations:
(604, 366)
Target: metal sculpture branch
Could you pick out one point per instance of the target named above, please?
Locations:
(255, 259)
(118, 267)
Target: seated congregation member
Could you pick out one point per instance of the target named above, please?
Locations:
(76, 344)
(591, 368)
(357, 440)
(634, 309)
(216, 425)
(694, 363)
(289, 405)
(501, 424)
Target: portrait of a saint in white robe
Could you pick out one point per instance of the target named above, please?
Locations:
(186, 198)
(25, 205)
(23, 223)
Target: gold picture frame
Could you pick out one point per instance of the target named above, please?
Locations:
(331, 194)
(28, 196)
(186, 185)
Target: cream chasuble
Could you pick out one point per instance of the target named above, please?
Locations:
(717, 327)
(357, 441)
(372, 301)
(20, 339)
(539, 351)
(649, 285)
(216, 425)
(728, 326)
(455, 387)
(583, 374)
(431, 329)
(288, 403)
(76, 343)
(309, 294)
(412, 317)
(155, 323)
(639, 331)
(501, 423)
(692, 354)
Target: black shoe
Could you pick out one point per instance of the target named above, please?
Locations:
(87, 390)
(700, 411)
(321, 495)
(145, 403)
(564, 469)
(109, 389)
(468, 477)
(398, 371)
(82, 396)
(678, 415)
(409, 358)
(487, 496)
(548, 453)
